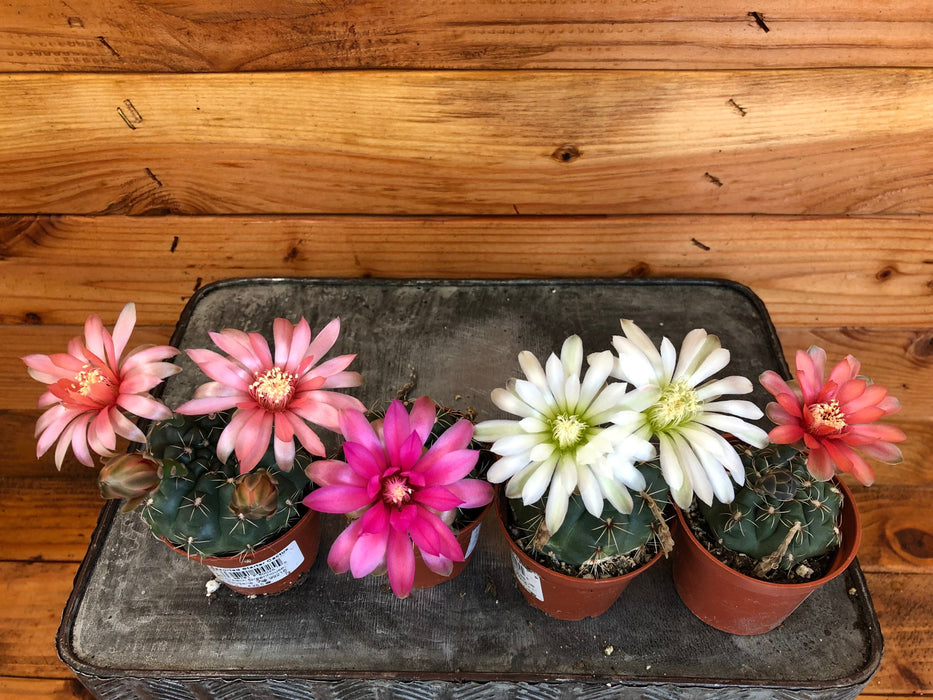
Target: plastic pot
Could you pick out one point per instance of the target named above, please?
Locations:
(272, 568)
(738, 604)
(559, 595)
(467, 537)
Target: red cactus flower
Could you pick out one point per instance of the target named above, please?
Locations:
(835, 417)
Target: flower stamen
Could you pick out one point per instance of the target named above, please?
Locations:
(827, 415)
(568, 430)
(677, 405)
(273, 389)
(89, 377)
(396, 491)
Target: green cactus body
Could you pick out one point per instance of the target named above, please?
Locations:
(590, 546)
(191, 506)
(782, 515)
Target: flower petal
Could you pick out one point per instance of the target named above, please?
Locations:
(400, 560)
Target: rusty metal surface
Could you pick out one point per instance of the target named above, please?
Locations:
(139, 624)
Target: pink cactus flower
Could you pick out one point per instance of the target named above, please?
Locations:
(276, 396)
(400, 491)
(93, 390)
(834, 418)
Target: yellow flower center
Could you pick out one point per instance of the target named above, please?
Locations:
(828, 415)
(87, 379)
(567, 430)
(396, 491)
(273, 389)
(677, 405)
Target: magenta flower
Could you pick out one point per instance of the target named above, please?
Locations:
(835, 419)
(93, 389)
(401, 492)
(275, 396)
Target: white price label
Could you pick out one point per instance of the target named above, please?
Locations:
(265, 572)
(530, 581)
(473, 539)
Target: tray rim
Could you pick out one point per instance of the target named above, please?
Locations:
(64, 637)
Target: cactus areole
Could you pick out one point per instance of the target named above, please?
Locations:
(582, 569)
(783, 525)
(205, 507)
(735, 600)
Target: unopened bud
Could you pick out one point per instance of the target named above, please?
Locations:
(130, 476)
(255, 495)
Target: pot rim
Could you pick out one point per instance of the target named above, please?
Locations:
(851, 527)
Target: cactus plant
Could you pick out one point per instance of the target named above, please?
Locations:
(588, 546)
(782, 517)
(203, 506)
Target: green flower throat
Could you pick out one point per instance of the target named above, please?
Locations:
(568, 431)
(677, 405)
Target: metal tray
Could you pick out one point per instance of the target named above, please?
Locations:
(138, 623)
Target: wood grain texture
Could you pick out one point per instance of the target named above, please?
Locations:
(23, 688)
(820, 142)
(902, 602)
(34, 596)
(810, 272)
(71, 506)
(128, 35)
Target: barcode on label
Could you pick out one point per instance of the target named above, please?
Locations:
(529, 580)
(265, 572)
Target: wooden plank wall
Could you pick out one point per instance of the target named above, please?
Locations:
(149, 147)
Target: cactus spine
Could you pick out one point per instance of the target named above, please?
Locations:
(206, 507)
(587, 546)
(782, 516)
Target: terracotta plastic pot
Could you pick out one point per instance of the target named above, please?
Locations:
(272, 568)
(561, 596)
(739, 604)
(468, 537)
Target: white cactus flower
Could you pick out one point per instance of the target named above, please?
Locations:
(695, 459)
(572, 435)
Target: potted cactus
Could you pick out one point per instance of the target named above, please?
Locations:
(744, 566)
(582, 569)
(410, 484)
(220, 478)
(572, 488)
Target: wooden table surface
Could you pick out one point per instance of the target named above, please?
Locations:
(150, 147)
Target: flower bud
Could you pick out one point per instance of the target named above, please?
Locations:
(255, 495)
(130, 476)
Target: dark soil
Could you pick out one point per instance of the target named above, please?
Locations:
(805, 570)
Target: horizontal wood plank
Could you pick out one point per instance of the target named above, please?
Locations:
(70, 508)
(34, 596)
(897, 532)
(23, 688)
(810, 272)
(902, 602)
(128, 35)
(821, 142)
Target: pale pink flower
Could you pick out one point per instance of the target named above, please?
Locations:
(399, 490)
(93, 389)
(276, 396)
(835, 419)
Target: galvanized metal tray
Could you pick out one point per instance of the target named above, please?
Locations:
(138, 623)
